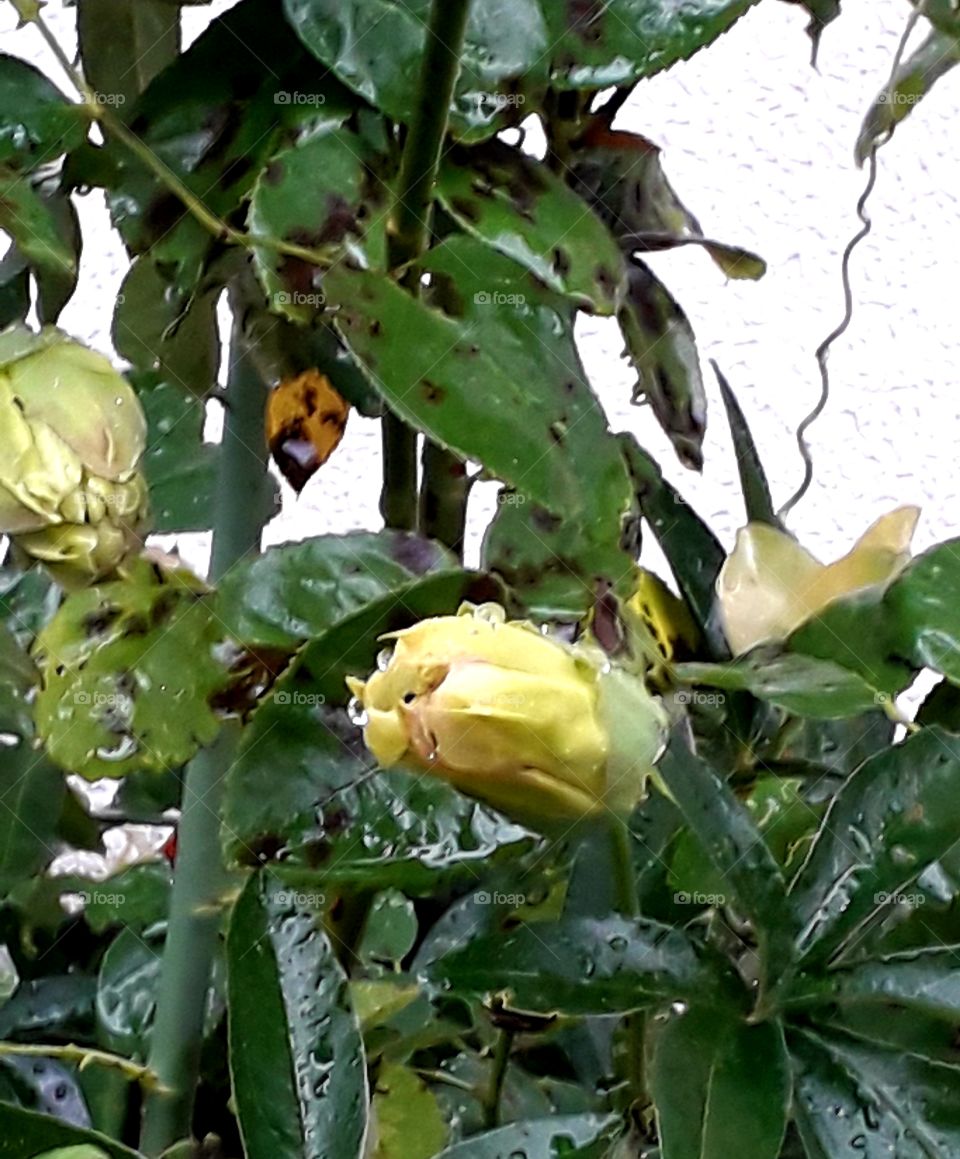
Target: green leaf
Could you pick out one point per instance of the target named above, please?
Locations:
(299, 591)
(83, 1151)
(338, 823)
(390, 930)
(116, 694)
(580, 966)
(915, 77)
(181, 469)
(376, 48)
(322, 192)
(927, 619)
(800, 684)
(26, 1133)
(161, 331)
(570, 1136)
(737, 851)
(123, 46)
(897, 814)
(492, 380)
(753, 478)
(52, 1006)
(663, 350)
(822, 13)
(34, 227)
(692, 550)
(127, 989)
(408, 1121)
(32, 791)
(519, 207)
(136, 897)
(624, 40)
(871, 1102)
(37, 122)
(296, 1057)
(721, 1087)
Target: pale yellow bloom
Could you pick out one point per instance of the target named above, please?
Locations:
(530, 725)
(72, 435)
(770, 585)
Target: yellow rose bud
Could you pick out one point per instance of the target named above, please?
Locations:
(72, 434)
(770, 585)
(530, 725)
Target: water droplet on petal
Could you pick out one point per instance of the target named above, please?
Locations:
(356, 712)
(384, 656)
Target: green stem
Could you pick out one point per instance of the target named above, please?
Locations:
(410, 225)
(628, 904)
(498, 1076)
(84, 1056)
(443, 499)
(113, 126)
(200, 880)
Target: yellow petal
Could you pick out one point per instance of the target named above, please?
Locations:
(762, 587)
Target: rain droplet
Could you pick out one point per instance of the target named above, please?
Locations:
(126, 748)
(356, 712)
(384, 656)
(679, 1008)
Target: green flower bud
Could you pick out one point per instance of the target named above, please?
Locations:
(72, 434)
(534, 727)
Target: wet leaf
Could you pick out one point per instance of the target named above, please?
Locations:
(477, 382)
(580, 966)
(728, 835)
(136, 897)
(34, 227)
(161, 331)
(517, 205)
(181, 469)
(376, 48)
(921, 70)
(873, 1102)
(298, 591)
(896, 815)
(720, 1086)
(585, 1136)
(663, 350)
(37, 122)
(305, 422)
(32, 791)
(116, 694)
(800, 684)
(322, 193)
(296, 1056)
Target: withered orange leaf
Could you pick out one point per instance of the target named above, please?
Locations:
(305, 422)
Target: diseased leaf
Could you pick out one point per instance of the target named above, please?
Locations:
(517, 205)
(305, 422)
(915, 77)
(663, 350)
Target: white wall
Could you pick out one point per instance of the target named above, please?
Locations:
(760, 146)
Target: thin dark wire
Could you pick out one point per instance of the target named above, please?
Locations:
(823, 349)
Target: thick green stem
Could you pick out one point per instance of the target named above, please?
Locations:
(628, 904)
(443, 499)
(410, 225)
(199, 883)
